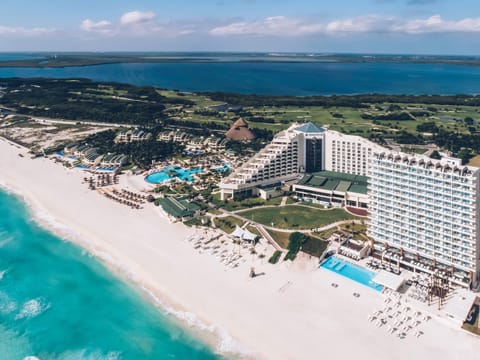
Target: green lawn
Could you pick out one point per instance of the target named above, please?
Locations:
(228, 223)
(281, 238)
(295, 217)
(232, 205)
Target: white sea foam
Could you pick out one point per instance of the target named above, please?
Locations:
(229, 345)
(2, 274)
(53, 224)
(7, 305)
(32, 308)
(225, 344)
(85, 354)
(5, 241)
(31, 358)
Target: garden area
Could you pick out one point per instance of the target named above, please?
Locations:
(296, 217)
(234, 205)
(228, 223)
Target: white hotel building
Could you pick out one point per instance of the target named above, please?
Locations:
(298, 150)
(428, 210)
(423, 212)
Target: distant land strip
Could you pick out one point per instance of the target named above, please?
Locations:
(63, 61)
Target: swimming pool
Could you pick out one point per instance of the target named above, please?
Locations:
(171, 172)
(351, 271)
(224, 168)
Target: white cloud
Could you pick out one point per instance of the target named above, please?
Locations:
(435, 24)
(103, 26)
(137, 24)
(21, 31)
(363, 24)
(137, 17)
(274, 25)
(285, 26)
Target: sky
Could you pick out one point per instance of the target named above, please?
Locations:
(442, 27)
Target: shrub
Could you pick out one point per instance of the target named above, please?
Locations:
(275, 257)
(295, 244)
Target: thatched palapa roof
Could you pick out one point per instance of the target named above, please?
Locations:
(240, 131)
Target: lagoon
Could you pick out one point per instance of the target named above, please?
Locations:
(273, 78)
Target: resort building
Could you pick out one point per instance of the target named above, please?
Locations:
(78, 150)
(349, 153)
(127, 136)
(281, 160)
(116, 160)
(91, 157)
(240, 131)
(181, 137)
(196, 143)
(215, 143)
(166, 136)
(333, 189)
(298, 150)
(140, 135)
(179, 209)
(424, 214)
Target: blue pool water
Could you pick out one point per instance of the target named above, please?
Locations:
(171, 172)
(59, 303)
(224, 168)
(106, 169)
(351, 271)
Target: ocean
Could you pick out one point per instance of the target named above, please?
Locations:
(57, 302)
(279, 78)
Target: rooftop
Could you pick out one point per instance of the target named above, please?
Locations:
(178, 207)
(240, 131)
(309, 128)
(335, 181)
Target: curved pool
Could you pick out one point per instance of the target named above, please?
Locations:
(171, 172)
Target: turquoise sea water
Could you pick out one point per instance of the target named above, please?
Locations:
(57, 302)
(296, 79)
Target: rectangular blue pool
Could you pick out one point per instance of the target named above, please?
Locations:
(351, 271)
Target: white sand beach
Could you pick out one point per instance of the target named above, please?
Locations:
(289, 313)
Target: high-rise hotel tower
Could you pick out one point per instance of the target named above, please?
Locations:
(428, 209)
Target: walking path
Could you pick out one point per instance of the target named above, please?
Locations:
(268, 237)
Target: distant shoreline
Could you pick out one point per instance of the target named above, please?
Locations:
(63, 61)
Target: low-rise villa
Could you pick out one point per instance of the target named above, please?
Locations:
(116, 160)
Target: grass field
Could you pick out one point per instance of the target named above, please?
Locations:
(228, 223)
(295, 217)
(280, 237)
(344, 119)
(475, 161)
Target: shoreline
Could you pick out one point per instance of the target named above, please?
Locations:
(215, 338)
(290, 313)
